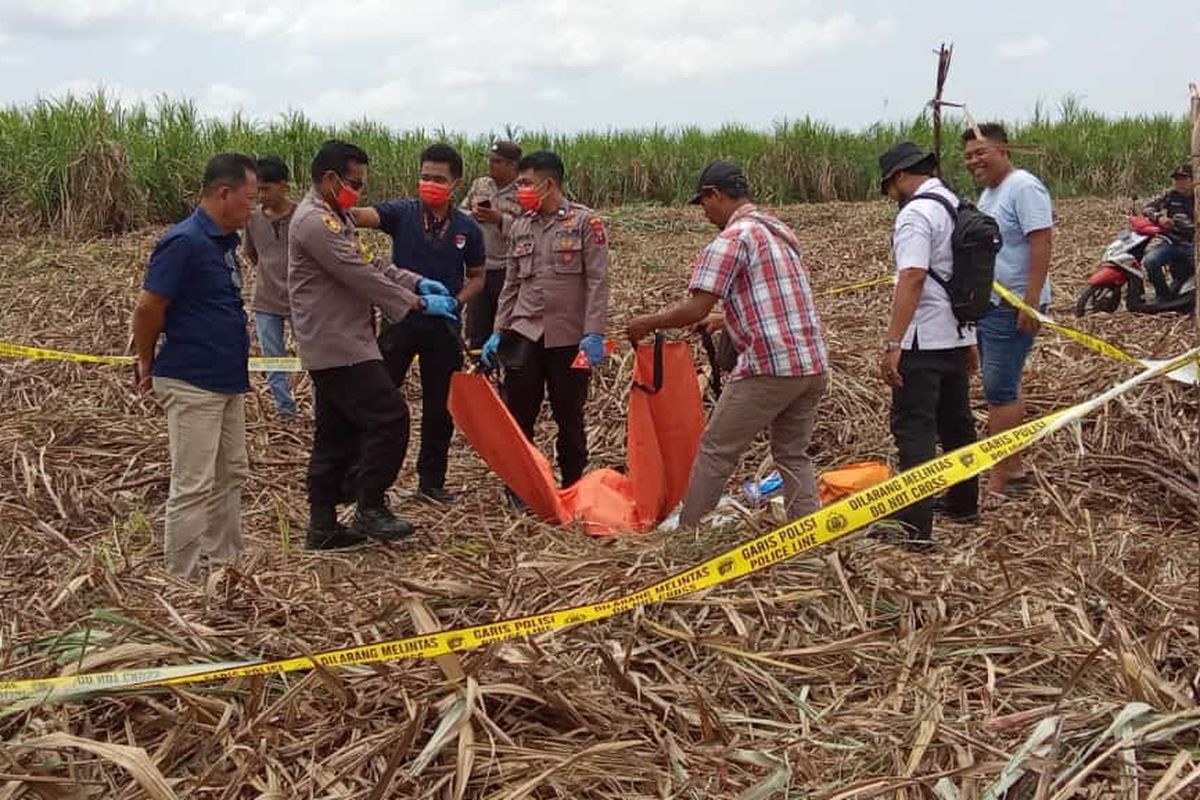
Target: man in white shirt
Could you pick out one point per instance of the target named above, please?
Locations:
(927, 356)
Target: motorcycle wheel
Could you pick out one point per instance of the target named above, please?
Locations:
(1104, 298)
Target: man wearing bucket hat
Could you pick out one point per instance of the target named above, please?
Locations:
(927, 356)
(1175, 211)
(755, 269)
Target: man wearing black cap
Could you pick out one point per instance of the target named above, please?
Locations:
(1175, 212)
(754, 267)
(927, 356)
(492, 201)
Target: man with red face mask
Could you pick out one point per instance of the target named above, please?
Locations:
(441, 243)
(553, 308)
(361, 419)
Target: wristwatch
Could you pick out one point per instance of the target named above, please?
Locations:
(890, 344)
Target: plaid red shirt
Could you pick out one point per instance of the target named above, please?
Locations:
(755, 267)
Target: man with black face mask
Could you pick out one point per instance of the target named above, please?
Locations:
(361, 419)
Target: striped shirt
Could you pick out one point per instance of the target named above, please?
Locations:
(755, 267)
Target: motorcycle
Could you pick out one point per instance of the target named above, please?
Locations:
(1122, 264)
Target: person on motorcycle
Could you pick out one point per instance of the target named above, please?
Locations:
(1175, 212)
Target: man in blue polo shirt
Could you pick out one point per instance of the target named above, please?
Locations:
(192, 298)
(437, 241)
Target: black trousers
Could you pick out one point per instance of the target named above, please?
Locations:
(481, 310)
(530, 368)
(361, 435)
(438, 344)
(933, 405)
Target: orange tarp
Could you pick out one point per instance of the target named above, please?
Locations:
(845, 481)
(662, 434)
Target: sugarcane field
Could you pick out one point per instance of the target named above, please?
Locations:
(740, 490)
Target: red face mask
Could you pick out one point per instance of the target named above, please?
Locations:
(433, 193)
(347, 198)
(529, 198)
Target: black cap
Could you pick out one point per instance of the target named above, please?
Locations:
(724, 175)
(1182, 171)
(507, 150)
(901, 156)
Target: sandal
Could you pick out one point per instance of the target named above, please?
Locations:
(1020, 483)
(993, 500)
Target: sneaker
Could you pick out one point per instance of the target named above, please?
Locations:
(888, 530)
(437, 494)
(960, 517)
(919, 546)
(380, 524)
(335, 537)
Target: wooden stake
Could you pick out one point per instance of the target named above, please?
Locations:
(1194, 90)
(1195, 114)
(944, 55)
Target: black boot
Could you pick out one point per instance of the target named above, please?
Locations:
(379, 523)
(437, 494)
(326, 533)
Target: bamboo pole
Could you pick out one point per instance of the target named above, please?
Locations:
(1194, 108)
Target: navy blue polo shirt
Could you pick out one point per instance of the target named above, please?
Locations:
(205, 342)
(443, 257)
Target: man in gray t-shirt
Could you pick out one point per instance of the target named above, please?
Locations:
(265, 246)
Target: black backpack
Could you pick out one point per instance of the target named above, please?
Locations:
(974, 243)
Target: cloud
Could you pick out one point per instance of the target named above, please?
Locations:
(81, 88)
(221, 100)
(1019, 49)
(143, 45)
(757, 45)
(381, 102)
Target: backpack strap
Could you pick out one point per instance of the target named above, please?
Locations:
(952, 210)
(946, 204)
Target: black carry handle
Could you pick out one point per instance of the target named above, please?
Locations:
(710, 350)
(659, 339)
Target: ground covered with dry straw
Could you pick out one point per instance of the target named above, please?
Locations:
(1051, 651)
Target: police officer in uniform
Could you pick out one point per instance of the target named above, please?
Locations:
(554, 306)
(492, 202)
(361, 419)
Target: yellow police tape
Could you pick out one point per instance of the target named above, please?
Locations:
(1190, 375)
(43, 354)
(830, 523)
(256, 363)
(1085, 339)
(862, 285)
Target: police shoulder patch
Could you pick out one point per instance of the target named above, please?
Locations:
(332, 223)
(599, 235)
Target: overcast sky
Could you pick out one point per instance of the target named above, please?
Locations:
(475, 66)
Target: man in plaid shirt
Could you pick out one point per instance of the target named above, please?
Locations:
(754, 266)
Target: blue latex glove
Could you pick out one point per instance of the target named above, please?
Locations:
(428, 286)
(593, 345)
(488, 356)
(438, 305)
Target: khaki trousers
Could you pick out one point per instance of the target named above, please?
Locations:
(787, 407)
(207, 433)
